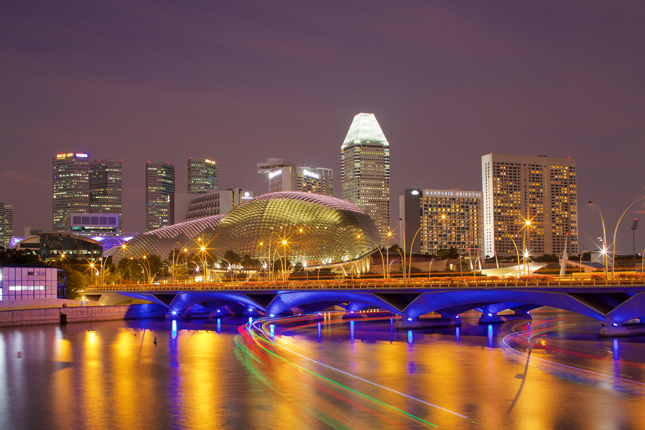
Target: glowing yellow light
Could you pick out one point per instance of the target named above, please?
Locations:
(284, 242)
(203, 248)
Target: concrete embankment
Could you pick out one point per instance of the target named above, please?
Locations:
(22, 317)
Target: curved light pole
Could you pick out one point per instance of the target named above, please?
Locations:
(411, 245)
(613, 261)
(379, 250)
(604, 237)
(149, 269)
(519, 273)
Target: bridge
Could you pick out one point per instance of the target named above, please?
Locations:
(618, 303)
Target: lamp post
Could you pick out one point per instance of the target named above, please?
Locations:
(516, 250)
(634, 227)
(379, 250)
(149, 269)
(403, 260)
(604, 237)
(411, 245)
(613, 261)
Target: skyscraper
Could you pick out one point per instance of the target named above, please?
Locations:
(160, 182)
(6, 224)
(284, 176)
(529, 202)
(365, 170)
(71, 187)
(105, 187)
(202, 175)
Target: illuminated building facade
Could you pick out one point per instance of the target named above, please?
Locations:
(202, 175)
(94, 224)
(6, 224)
(49, 245)
(538, 189)
(442, 219)
(160, 182)
(71, 187)
(106, 188)
(318, 229)
(365, 170)
(284, 176)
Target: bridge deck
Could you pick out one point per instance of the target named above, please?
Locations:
(376, 284)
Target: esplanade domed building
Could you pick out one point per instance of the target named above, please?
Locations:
(311, 229)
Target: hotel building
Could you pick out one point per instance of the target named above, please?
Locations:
(442, 219)
(202, 175)
(529, 202)
(284, 176)
(160, 182)
(365, 170)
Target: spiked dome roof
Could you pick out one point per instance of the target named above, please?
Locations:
(365, 128)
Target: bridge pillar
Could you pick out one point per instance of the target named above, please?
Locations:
(613, 328)
(410, 323)
(490, 318)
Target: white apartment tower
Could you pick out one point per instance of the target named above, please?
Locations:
(71, 187)
(529, 202)
(160, 183)
(365, 170)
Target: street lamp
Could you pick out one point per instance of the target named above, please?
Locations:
(379, 250)
(604, 237)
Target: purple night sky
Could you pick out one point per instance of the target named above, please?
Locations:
(240, 82)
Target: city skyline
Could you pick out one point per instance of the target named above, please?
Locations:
(456, 83)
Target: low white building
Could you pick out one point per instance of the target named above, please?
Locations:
(25, 282)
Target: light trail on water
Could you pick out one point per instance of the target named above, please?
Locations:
(259, 329)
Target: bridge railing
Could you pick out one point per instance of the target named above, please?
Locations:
(437, 283)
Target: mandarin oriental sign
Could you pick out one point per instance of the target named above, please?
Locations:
(453, 193)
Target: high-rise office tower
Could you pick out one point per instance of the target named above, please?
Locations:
(6, 224)
(71, 187)
(160, 182)
(202, 175)
(442, 219)
(365, 170)
(284, 176)
(530, 203)
(105, 187)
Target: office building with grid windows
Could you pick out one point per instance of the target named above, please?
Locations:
(202, 175)
(71, 187)
(106, 188)
(530, 204)
(160, 183)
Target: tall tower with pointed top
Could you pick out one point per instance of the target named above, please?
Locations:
(365, 170)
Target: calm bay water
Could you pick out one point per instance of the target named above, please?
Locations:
(329, 374)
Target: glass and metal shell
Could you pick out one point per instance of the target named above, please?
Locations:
(162, 241)
(317, 229)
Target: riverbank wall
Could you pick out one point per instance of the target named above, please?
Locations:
(66, 315)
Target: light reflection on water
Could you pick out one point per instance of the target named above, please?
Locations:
(112, 375)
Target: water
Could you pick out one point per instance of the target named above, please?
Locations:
(321, 374)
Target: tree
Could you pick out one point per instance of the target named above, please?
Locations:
(74, 280)
(448, 253)
(15, 256)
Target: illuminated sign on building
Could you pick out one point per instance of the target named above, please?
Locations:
(81, 155)
(210, 161)
(275, 173)
(69, 154)
(451, 193)
(247, 196)
(310, 174)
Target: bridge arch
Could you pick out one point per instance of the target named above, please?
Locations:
(443, 300)
(286, 301)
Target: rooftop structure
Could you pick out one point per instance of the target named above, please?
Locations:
(284, 176)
